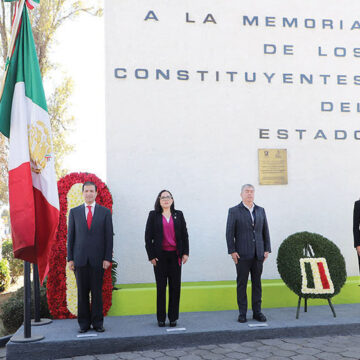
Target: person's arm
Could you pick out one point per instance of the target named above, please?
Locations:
(185, 236)
(356, 223)
(230, 237)
(109, 239)
(266, 237)
(185, 255)
(70, 241)
(149, 238)
(230, 232)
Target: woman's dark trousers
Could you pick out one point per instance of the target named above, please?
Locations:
(166, 271)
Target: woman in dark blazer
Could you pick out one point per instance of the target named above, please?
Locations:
(167, 247)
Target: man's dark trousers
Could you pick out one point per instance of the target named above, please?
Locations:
(243, 268)
(89, 279)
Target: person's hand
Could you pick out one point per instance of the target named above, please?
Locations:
(106, 264)
(154, 260)
(71, 265)
(358, 250)
(184, 258)
(235, 256)
(266, 254)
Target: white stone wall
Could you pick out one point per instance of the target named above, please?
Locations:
(199, 139)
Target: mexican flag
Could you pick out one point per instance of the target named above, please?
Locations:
(30, 3)
(24, 118)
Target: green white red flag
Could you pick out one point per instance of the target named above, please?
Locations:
(31, 2)
(24, 118)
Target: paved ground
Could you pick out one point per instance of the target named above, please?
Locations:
(325, 347)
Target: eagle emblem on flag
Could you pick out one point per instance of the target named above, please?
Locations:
(39, 145)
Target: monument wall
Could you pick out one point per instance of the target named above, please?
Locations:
(194, 89)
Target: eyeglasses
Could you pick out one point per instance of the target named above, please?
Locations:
(165, 198)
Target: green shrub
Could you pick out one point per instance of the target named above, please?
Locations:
(7, 250)
(16, 266)
(12, 310)
(4, 275)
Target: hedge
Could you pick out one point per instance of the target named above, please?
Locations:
(12, 314)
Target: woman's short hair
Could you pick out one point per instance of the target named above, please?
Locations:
(157, 205)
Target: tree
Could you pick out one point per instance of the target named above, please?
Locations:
(46, 20)
(16, 266)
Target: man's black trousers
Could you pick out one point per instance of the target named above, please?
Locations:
(243, 268)
(89, 280)
(168, 270)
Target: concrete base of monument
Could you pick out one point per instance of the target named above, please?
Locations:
(141, 332)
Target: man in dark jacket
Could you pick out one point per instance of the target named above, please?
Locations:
(89, 251)
(248, 242)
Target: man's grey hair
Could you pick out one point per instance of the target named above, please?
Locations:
(247, 185)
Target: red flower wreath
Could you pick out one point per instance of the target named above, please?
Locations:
(56, 283)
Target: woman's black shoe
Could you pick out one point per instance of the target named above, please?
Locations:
(161, 323)
(172, 323)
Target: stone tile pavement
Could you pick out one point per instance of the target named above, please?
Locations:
(315, 348)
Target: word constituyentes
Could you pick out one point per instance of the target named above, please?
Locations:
(145, 73)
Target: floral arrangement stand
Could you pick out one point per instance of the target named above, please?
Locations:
(305, 306)
(61, 284)
(312, 267)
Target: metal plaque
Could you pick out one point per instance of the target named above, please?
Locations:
(273, 166)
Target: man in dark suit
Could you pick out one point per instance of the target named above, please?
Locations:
(89, 250)
(248, 242)
(356, 229)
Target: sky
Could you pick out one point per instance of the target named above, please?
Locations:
(79, 52)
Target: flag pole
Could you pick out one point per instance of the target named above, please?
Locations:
(37, 319)
(14, 32)
(26, 336)
(36, 293)
(27, 301)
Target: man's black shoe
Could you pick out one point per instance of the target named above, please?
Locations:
(172, 323)
(242, 318)
(259, 317)
(82, 331)
(99, 329)
(161, 323)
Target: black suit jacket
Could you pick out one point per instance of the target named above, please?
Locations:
(95, 244)
(356, 223)
(240, 232)
(154, 234)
